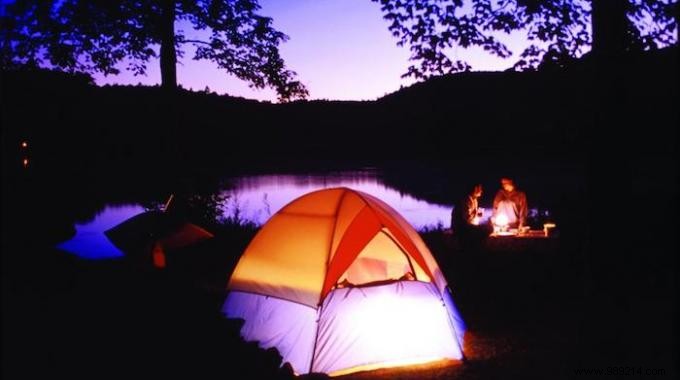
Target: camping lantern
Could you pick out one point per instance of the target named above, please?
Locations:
(500, 223)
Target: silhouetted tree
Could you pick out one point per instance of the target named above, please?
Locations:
(99, 35)
(560, 30)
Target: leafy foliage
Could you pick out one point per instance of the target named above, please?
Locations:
(559, 30)
(100, 35)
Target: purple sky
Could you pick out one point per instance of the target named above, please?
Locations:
(341, 50)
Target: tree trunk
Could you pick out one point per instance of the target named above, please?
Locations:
(609, 167)
(168, 53)
(610, 27)
(677, 15)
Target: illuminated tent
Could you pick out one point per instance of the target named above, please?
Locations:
(338, 282)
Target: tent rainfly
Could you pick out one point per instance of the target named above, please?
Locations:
(339, 282)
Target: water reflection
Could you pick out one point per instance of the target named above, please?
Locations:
(256, 198)
(90, 241)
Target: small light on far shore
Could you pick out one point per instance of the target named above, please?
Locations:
(24, 144)
(25, 162)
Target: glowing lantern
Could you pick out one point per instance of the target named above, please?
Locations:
(24, 144)
(548, 226)
(502, 220)
(500, 224)
(25, 162)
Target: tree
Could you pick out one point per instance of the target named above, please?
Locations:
(99, 35)
(559, 30)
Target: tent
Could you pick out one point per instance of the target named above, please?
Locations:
(155, 232)
(339, 282)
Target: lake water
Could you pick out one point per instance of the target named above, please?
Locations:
(255, 198)
(90, 242)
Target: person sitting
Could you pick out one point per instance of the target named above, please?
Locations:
(510, 206)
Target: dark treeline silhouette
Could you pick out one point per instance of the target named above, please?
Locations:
(530, 115)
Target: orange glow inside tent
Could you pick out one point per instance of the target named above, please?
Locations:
(337, 280)
(335, 230)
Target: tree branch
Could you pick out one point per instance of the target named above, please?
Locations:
(503, 6)
(196, 42)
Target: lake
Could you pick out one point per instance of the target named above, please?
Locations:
(255, 198)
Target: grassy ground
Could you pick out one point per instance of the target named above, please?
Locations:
(65, 317)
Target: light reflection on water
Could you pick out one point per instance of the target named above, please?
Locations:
(256, 198)
(90, 242)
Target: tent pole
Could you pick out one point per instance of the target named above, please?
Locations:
(316, 337)
(167, 203)
(451, 322)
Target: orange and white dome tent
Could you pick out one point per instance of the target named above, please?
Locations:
(338, 281)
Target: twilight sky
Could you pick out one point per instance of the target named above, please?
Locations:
(341, 50)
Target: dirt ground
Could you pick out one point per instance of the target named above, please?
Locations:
(527, 312)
